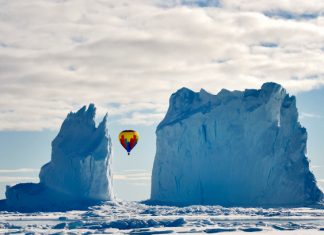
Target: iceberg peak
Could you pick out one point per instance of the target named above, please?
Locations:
(271, 87)
(183, 96)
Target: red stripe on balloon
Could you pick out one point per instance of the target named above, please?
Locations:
(122, 141)
(131, 143)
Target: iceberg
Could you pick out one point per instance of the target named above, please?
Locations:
(79, 172)
(236, 148)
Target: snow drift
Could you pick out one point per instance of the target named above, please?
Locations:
(233, 149)
(78, 173)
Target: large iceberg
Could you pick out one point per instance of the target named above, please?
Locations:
(239, 148)
(79, 172)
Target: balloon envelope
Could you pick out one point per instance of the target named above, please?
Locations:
(128, 139)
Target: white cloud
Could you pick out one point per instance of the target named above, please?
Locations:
(127, 57)
(17, 179)
(309, 115)
(134, 175)
(299, 6)
(143, 118)
(20, 170)
(320, 183)
(316, 166)
(20, 175)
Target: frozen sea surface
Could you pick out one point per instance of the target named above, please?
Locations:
(137, 218)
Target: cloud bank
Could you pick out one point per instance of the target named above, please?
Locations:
(128, 57)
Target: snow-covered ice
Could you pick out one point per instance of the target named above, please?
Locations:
(78, 173)
(135, 218)
(239, 148)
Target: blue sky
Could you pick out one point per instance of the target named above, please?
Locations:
(127, 57)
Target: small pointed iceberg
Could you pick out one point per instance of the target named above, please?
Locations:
(78, 174)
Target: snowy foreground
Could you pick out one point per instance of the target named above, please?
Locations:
(136, 218)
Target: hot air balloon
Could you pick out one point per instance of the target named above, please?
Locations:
(128, 139)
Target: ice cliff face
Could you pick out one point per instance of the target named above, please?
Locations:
(233, 149)
(79, 170)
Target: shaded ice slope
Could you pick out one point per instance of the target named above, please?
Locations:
(234, 148)
(78, 173)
